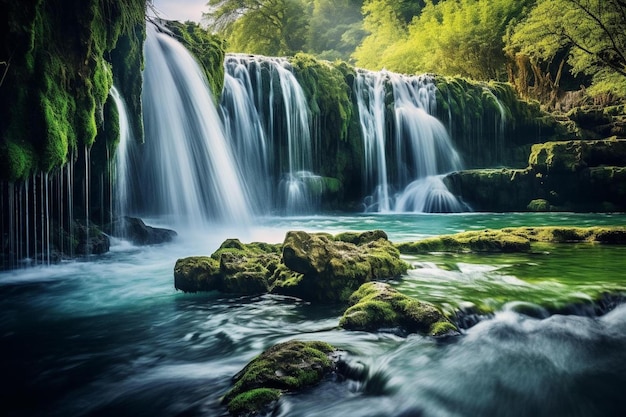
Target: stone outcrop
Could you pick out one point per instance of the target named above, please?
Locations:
(377, 305)
(567, 175)
(312, 266)
(286, 367)
(514, 239)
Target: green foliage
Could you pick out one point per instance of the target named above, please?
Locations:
(335, 28)
(385, 28)
(58, 79)
(268, 27)
(589, 34)
(453, 37)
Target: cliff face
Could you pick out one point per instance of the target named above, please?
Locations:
(59, 61)
(58, 126)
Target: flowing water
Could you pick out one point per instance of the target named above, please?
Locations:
(185, 168)
(419, 147)
(113, 337)
(265, 112)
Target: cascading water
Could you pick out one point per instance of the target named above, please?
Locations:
(185, 168)
(265, 112)
(409, 139)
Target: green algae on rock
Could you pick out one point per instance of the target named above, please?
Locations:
(377, 305)
(332, 269)
(286, 367)
(234, 267)
(518, 239)
(313, 266)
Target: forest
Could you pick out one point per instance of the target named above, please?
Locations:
(545, 48)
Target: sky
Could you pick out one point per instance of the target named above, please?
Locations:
(181, 9)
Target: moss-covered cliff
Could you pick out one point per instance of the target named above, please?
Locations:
(59, 61)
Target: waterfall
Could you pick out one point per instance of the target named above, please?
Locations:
(123, 174)
(402, 133)
(265, 112)
(185, 168)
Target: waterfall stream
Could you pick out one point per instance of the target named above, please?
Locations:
(408, 138)
(267, 119)
(186, 168)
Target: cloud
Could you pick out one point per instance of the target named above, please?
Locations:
(181, 9)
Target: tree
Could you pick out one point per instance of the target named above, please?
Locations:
(452, 37)
(386, 27)
(269, 27)
(335, 28)
(590, 35)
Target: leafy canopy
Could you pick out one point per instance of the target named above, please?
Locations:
(591, 33)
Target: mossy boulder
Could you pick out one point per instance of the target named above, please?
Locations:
(377, 305)
(575, 155)
(332, 269)
(312, 266)
(518, 239)
(539, 205)
(233, 268)
(286, 367)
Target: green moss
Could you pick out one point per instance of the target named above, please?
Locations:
(539, 205)
(253, 400)
(289, 366)
(513, 239)
(197, 273)
(575, 155)
(377, 305)
(16, 160)
(59, 76)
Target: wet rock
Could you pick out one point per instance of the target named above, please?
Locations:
(313, 267)
(286, 367)
(197, 273)
(135, 230)
(235, 267)
(332, 269)
(90, 240)
(377, 305)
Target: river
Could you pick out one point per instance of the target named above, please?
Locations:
(110, 336)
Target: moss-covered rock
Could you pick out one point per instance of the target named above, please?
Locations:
(314, 267)
(197, 273)
(539, 205)
(377, 305)
(286, 367)
(235, 267)
(332, 269)
(499, 189)
(518, 239)
(575, 155)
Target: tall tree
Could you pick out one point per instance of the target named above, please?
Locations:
(270, 27)
(453, 37)
(589, 34)
(335, 28)
(386, 25)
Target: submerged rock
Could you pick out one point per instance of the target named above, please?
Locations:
(377, 305)
(286, 367)
(313, 266)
